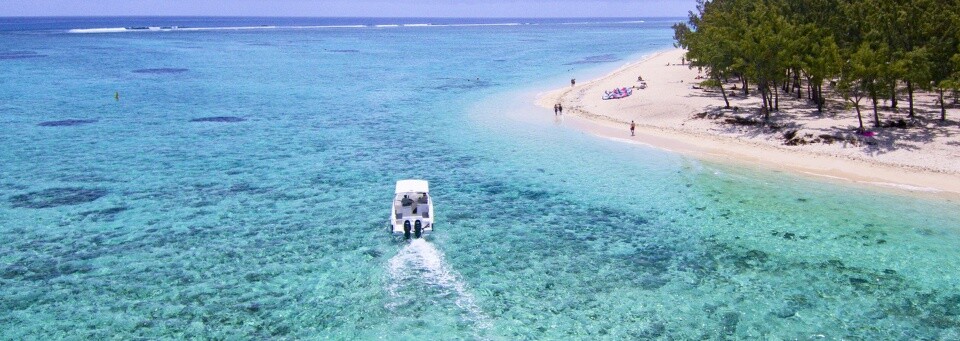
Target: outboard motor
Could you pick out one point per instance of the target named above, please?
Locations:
(406, 229)
(417, 228)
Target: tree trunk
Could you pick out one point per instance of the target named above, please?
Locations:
(763, 103)
(765, 108)
(876, 114)
(809, 89)
(814, 93)
(910, 93)
(819, 87)
(786, 82)
(859, 116)
(823, 100)
(776, 99)
(746, 86)
(724, 92)
(943, 107)
(783, 86)
(796, 84)
(770, 98)
(893, 95)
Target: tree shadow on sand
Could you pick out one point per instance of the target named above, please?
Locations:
(897, 131)
(891, 133)
(746, 123)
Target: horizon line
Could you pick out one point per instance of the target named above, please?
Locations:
(319, 17)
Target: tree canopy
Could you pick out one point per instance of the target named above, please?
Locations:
(878, 48)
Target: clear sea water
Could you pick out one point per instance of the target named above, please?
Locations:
(240, 186)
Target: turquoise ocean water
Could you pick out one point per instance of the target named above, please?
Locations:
(240, 186)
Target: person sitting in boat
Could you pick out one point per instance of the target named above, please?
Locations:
(406, 201)
(422, 199)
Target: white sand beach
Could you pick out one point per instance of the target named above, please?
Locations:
(671, 114)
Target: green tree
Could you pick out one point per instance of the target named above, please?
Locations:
(952, 83)
(942, 45)
(762, 57)
(851, 88)
(712, 44)
(875, 46)
(916, 68)
(869, 65)
(820, 61)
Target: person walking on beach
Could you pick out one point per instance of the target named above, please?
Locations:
(633, 126)
(560, 107)
(573, 82)
(556, 109)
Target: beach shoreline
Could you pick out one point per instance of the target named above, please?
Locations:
(666, 116)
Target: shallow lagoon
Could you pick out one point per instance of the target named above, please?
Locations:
(155, 219)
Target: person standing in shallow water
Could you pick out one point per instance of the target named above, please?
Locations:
(633, 126)
(560, 107)
(573, 81)
(556, 109)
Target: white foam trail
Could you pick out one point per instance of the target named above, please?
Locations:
(422, 260)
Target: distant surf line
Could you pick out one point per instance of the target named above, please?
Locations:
(156, 29)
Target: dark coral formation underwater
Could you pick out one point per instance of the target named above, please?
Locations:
(54, 197)
(65, 123)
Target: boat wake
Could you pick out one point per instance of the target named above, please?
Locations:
(419, 263)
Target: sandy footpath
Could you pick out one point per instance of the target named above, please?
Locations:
(669, 113)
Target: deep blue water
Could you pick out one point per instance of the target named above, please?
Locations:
(240, 188)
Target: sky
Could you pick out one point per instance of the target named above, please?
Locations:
(351, 8)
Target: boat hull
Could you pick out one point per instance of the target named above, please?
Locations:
(411, 214)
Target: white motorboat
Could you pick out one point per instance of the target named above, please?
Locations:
(412, 211)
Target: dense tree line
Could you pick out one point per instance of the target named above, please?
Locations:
(867, 49)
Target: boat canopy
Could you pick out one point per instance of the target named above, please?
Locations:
(412, 186)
